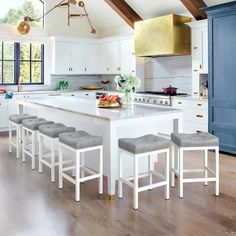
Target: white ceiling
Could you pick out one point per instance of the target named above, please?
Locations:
(103, 17)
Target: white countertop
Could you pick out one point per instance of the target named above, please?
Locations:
(89, 107)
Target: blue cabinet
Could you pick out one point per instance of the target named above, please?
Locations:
(222, 74)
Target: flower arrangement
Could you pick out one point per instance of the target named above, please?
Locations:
(127, 84)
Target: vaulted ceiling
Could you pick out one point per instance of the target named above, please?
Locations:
(105, 18)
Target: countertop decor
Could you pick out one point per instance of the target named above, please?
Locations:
(128, 85)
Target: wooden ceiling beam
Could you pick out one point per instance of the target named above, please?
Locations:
(194, 7)
(124, 11)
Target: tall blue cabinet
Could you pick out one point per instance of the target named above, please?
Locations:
(222, 74)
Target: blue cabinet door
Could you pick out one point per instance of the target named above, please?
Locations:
(222, 74)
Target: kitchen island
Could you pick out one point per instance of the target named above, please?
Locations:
(112, 124)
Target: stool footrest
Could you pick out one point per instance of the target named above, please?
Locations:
(197, 180)
(151, 186)
(69, 178)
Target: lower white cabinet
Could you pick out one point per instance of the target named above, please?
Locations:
(3, 112)
(195, 114)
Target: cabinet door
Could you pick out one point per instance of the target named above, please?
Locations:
(4, 114)
(109, 58)
(127, 57)
(90, 59)
(77, 58)
(204, 52)
(62, 58)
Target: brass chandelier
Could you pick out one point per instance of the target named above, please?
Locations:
(23, 27)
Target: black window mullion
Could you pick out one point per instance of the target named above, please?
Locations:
(17, 62)
(2, 64)
(30, 63)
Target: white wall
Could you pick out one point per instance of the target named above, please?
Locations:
(56, 23)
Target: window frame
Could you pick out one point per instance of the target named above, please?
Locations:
(17, 62)
(2, 66)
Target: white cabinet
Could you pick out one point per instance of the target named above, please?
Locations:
(127, 56)
(83, 58)
(195, 114)
(104, 56)
(199, 53)
(3, 116)
(74, 58)
(61, 58)
(108, 55)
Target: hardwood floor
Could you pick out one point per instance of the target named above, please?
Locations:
(30, 205)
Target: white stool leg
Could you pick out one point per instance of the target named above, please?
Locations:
(120, 172)
(77, 178)
(52, 160)
(135, 190)
(150, 168)
(17, 141)
(33, 149)
(205, 166)
(172, 165)
(217, 172)
(23, 144)
(60, 166)
(167, 192)
(100, 186)
(181, 173)
(82, 163)
(40, 153)
(10, 137)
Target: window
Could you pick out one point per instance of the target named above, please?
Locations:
(24, 61)
(7, 63)
(11, 12)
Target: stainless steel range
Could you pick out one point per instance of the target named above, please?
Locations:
(155, 98)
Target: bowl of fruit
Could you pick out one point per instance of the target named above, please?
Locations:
(109, 101)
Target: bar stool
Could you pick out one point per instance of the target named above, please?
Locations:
(79, 143)
(193, 142)
(16, 121)
(145, 146)
(31, 126)
(50, 132)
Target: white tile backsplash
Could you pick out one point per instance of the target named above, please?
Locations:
(160, 72)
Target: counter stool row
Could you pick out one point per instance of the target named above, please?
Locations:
(79, 142)
(59, 137)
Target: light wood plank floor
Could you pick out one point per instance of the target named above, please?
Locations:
(30, 205)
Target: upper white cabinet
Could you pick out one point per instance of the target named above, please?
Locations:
(108, 55)
(127, 57)
(103, 56)
(71, 57)
(199, 52)
(61, 58)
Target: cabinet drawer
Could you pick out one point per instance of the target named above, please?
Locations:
(184, 103)
(189, 127)
(196, 116)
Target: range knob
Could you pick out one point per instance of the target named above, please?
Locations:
(144, 100)
(140, 100)
(148, 100)
(161, 102)
(166, 102)
(154, 101)
(135, 99)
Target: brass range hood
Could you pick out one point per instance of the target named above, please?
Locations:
(163, 36)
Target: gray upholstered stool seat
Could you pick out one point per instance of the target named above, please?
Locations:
(19, 118)
(147, 143)
(33, 124)
(201, 139)
(80, 139)
(53, 130)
